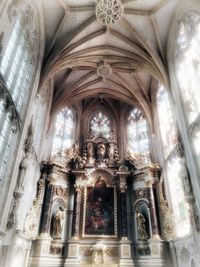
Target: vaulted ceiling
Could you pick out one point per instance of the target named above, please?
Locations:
(109, 47)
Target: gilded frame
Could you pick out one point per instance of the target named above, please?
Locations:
(96, 233)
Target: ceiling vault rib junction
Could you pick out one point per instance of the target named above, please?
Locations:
(129, 51)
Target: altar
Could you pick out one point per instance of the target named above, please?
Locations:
(99, 210)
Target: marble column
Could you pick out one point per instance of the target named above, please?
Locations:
(46, 212)
(77, 210)
(149, 183)
(150, 226)
(123, 206)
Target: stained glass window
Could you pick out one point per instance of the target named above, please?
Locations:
(187, 62)
(138, 140)
(174, 166)
(100, 125)
(175, 172)
(167, 128)
(16, 68)
(64, 131)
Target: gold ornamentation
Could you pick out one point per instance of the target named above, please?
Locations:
(166, 215)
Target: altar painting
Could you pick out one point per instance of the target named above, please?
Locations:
(99, 211)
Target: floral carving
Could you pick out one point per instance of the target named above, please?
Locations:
(104, 70)
(109, 11)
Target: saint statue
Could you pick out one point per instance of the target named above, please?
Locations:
(101, 152)
(58, 223)
(90, 152)
(142, 233)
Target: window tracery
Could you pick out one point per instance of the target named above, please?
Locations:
(166, 123)
(175, 169)
(17, 69)
(180, 206)
(187, 64)
(64, 131)
(100, 125)
(137, 133)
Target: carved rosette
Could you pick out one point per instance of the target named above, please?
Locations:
(109, 12)
(104, 70)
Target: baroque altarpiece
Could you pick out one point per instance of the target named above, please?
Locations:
(98, 209)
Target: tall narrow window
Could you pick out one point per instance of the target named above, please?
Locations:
(100, 125)
(187, 63)
(16, 69)
(174, 166)
(64, 131)
(16, 65)
(180, 207)
(167, 128)
(138, 140)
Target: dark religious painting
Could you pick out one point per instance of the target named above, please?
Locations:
(99, 213)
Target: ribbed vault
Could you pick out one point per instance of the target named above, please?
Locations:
(130, 52)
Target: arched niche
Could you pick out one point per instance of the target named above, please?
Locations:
(58, 205)
(142, 209)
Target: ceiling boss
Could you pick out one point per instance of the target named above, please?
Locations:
(109, 12)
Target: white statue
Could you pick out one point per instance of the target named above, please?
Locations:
(142, 233)
(58, 223)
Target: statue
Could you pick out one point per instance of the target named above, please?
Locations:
(111, 151)
(101, 152)
(142, 233)
(28, 159)
(58, 223)
(90, 152)
(112, 136)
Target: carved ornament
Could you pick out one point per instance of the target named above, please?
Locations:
(167, 216)
(109, 12)
(32, 221)
(141, 193)
(104, 70)
(61, 191)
